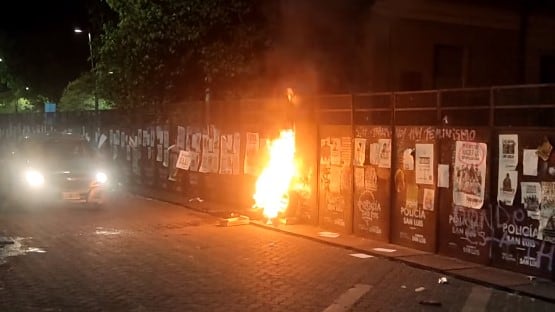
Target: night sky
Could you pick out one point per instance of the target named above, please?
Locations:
(42, 34)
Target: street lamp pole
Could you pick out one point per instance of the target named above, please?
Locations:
(91, 56)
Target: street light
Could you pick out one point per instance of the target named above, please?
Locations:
(78, 30)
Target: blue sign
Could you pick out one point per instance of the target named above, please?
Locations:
(49, 107)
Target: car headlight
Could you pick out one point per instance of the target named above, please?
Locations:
(34, 178)
(101, 177)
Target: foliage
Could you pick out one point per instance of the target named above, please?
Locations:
(163, 50)
(79, 95)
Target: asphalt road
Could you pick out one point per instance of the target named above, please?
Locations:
(137, 254)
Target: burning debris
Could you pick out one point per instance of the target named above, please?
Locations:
(274, 183)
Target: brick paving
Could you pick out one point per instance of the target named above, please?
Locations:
(144, 255)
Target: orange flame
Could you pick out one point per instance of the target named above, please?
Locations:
(273, 184)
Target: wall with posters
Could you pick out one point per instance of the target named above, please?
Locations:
(414, 213)
(372, 183)
(524, 213)
(335, 178)
(465, 221)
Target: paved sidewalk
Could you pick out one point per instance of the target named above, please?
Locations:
(543, 289)
(539, 288)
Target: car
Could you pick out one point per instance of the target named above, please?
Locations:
(54, 168)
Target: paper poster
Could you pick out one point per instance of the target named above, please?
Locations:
(335, 179)
(359, 177)
(384, 156)
(122, 139)
(546, 230)
(370, 179)
(346, 150)
(408, 159)
(531, 195)
(529, 162)
(251, 153)
(146, 139)
(236, 152)
(325, 151)
(428, 199)
(226, 154)
(181, 137)
(184, 160)
(166, 159)
(205, 162)
(469, 174)
(152, 137)
(166, 139)
(424, 164)
(149, 152)
(508, 151)
(101, 141)
(195, 161)
(159, 153)
(360, 152)
(507, 185)
(374, 153)
(443, 175)
(335, 152)
(172, 175)
(159, 135)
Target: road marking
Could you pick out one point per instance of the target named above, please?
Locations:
(348, 298)
(477, 300)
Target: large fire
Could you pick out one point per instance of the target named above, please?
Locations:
(274, 183)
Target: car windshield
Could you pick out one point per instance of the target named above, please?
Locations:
(57, 149)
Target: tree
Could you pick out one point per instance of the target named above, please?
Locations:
(79, 95)
(163, 50)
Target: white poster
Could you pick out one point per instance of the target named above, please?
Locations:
(506, 186)
(251, 153)
(360, 152)
(529, 162)
(508, 151)
(325, 151)
(184, 160)
(384, 157)
(159, 153)
(408, 159)
(181, 137)
(428, 199)
(236, 153)
(335, 153)
(374, 153)
(424, 164)
(546, 230)
(226, 156)
(469, 174)
(531, 195)
(443, 175)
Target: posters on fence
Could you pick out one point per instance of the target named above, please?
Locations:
(374, 154)
(236, 153)
(506, 186)
(325, 151)
(335, 153)
(184, 160)
(226, 154)
(181, 137)
(360, 152)
(508, 151)
(531, 195)
(424, 164)
(251, 153)
(469, 174)
(384, 156)
(547, 213)
(529, 162)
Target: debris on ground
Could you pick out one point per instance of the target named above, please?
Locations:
(442, 280)
(197, 199)
(430, 303)
(328, 234)
(419, 289)
(231, 221)
(361, 255)
(530, 277)
(403, 286)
